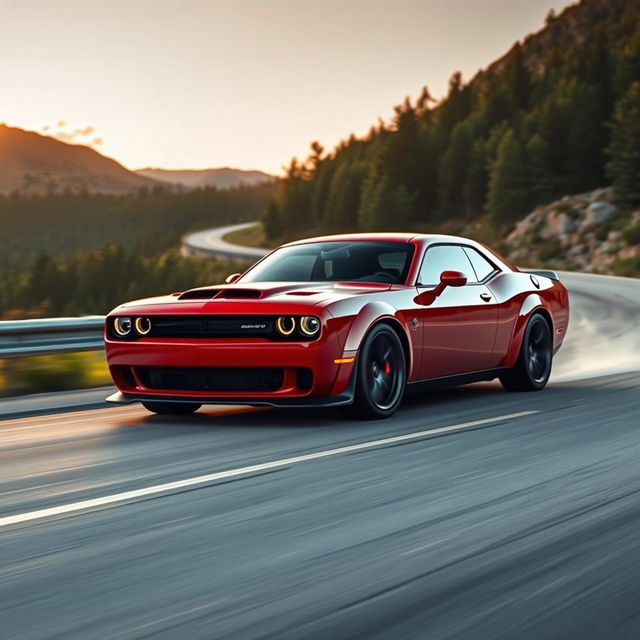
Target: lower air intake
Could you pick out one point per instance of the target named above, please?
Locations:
(257, 379)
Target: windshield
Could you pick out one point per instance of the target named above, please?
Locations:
(386, 262)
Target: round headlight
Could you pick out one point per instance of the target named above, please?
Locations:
(122, 326)
(285, 325)
(143, 326)
(309, 325)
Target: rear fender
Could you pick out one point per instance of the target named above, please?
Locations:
(532, 303)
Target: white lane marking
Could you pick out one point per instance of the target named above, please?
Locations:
(425, 546)
(231, 473)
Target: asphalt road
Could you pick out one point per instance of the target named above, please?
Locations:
(210, 242)
(473, 513)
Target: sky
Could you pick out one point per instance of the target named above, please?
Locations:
(241, 83)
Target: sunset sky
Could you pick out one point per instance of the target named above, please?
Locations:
(243, 83)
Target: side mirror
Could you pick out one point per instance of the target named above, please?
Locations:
(232, 278)
(452, 279)
(447, 279)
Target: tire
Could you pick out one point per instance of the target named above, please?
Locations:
(172, 408)
(533, 368)
(380, 375)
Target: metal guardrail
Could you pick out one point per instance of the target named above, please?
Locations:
(22, 338)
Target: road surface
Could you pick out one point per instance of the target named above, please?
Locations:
(473, 513)
(211, 243)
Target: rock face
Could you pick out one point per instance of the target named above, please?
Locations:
(585, 232)
(597, 213)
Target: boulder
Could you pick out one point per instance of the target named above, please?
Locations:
(557, 225)
(597, 213)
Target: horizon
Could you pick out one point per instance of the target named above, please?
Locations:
(193, 124)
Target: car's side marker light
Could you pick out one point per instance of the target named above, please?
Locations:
(343, 360)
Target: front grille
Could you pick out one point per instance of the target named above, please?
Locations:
(202, 326)
(258, 379)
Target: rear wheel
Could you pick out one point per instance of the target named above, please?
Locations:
(172, 408)
(380, 375)
(533, 368)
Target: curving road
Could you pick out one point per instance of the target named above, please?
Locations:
(473, 513)
(211, 243)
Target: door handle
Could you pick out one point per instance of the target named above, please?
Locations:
(485, 296)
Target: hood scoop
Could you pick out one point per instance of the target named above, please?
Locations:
(209, 294)
(240, 293)
(199, 294)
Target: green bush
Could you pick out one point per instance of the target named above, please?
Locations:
(54, 373)
(629, 268)
(631, 234)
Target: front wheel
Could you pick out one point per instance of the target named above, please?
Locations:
(380, 375)
(172, 408)
(533, 368)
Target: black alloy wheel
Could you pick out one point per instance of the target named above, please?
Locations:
(380, 374)
(532, 371)
(172, 408)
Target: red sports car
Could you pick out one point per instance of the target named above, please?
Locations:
(353, 320)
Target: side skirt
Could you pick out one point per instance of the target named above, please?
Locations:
(454, 381)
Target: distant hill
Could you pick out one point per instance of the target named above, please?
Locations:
(31, 163)
(223, 178)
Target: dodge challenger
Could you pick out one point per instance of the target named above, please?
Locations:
(350, 320)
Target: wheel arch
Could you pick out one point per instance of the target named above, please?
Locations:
(532, 304)
(372, 315)
(404, 340)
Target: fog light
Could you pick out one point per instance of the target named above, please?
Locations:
(143, 326)
(309, 325)
(122, 326)
(285, 325)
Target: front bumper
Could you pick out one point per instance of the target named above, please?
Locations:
(330, 385)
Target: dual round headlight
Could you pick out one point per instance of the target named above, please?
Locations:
(124, 325)
(309, 325)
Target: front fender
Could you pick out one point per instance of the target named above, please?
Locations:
(372, 313)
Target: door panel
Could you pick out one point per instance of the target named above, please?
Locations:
(459, 330)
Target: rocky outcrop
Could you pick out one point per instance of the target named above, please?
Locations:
(586, 232)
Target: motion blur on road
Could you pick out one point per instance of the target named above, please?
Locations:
(472, 513)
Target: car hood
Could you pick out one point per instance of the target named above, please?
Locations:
(222, 297)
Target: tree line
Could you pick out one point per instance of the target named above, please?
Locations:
(94, 282)
(149, 220)
(84, 253)
(559, 114)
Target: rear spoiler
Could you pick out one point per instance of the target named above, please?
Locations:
(545, 273)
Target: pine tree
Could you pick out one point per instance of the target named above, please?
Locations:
(341, 211)
(624, 149)
(506, 200)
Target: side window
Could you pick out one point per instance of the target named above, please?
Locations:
(444, 257)
(481, 265)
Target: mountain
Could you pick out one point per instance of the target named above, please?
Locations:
(558, 114)
(224, 178)
(31, 163)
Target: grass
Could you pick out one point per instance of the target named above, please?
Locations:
(58, 372)
(249, 237)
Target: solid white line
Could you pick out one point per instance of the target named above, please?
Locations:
(221, 475)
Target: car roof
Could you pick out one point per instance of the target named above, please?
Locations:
(382, 237)
(425, 238)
